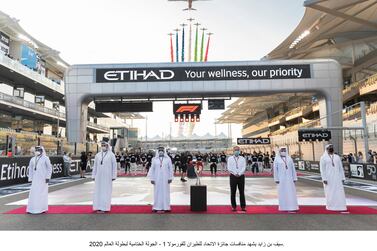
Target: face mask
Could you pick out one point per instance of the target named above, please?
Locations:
(331, 150)
(283, 154)
(104, 148)
(161, 153)
(37, 153)
(236, 153)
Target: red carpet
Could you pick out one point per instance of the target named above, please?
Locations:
(205, 174)
(118, 209)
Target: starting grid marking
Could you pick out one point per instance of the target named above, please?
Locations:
(23, 188)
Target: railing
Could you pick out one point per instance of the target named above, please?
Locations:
(30, 105)
(369, 85)
(276, 119)
(352, 113)
(351, 91)
(104, 128)
(20, 68)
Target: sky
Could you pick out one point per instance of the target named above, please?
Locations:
(135, 31)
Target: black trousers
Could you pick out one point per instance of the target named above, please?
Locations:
(254, 167)
(177, 165)
(240, 183)
(213, 167)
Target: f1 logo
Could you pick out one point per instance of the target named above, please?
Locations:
(187, 108)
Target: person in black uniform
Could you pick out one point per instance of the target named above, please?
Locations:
(149, 160)
(143, 161)
(177, 163)
(223, 161)
(199, 159)
(266, 160)
(122, 161)
(184, 163)
(249, 161)
(128, 165)
(260, 161)
(133, 164)
(189, 157)
(273, 154)
(213, 166)
(254, 166)
(83, 164)
(117, 158)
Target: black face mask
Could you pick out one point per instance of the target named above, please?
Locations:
(331, 150)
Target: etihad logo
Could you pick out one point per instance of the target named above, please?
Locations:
(316, 135)
(187, 108)
(253, 141)
(137, 75)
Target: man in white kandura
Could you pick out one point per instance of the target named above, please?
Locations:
(40, 171)
(285, 176)
(161, 174)
(104, 173)
(332, 173)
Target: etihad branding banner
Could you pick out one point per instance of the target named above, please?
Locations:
(15, 170)
(253, 141)
(210, 73)
(314, 135)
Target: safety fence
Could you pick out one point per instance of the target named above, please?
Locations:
(363, 171)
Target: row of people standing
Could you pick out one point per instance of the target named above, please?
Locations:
(161, 175)
(284, 173)
(371, 158)
(134, 162)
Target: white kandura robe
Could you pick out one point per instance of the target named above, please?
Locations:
(286, 187)
(103, 175)
(161, 176)
(334, 175)
(38, 196)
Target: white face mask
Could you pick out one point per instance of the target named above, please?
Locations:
(37, 153)
(283, 154)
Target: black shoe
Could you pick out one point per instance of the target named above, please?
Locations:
(183, 180)
(234, 209)
(243, 209)
(167, 211)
